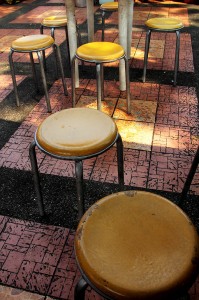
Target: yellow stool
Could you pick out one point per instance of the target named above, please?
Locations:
(107, 7)
(55, 22)
(100, 53)
(136, 245)
(76, 134)
(35, 43)
(163, 25)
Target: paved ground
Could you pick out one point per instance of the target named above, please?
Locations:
(160, 139)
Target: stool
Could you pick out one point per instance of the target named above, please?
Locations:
(35, 43)
(107, 7)
(163, 25)
(54, 22)
(76, 134)
(99, 53)
(136, 245)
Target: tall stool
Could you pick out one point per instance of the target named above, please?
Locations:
(163, 25)
(30, 44)
(136, 245)
(100, 53)
(107, 7)
(76, 134)
(57, 22)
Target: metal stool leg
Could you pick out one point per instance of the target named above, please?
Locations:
(13, 76)
(102, 80)
(128, 95)
(35, 171)
(148, 37)
(44, 81)
(103, 24)
(61, 68)
(80, 289)
(43, 52)
(190, 176)
(177, 56)
(34, 71)
(79, 185)
(120, 161)
(99, 85)
(54, 50)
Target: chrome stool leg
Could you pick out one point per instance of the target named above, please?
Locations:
(35, 172)
(43, 52)
(99, 85)
(120, 161)
(128, 96)
(80, 289)
(13, 76)
(73, 81)
(34, 71)
(103, 24)
(58, 56)
(148, 37)
(177, 56)
(44, 80)
(79, 185)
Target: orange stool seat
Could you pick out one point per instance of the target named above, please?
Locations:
(99, 53)
(36, 43)
(163, 25)
(76, 134)
(54, 21)
(137, 245)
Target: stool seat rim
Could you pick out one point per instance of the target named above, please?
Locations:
(98, 247)
(54, 21)
(33, 42)
(109, 6)
(100, 52)
(76, 132)
(164, 24)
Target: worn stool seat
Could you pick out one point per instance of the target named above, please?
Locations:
(99, 53)
(96, 51)
(136, 245)
(76, 134)
(54, 21)
(32, 42)
(163, 25)
(107, 7)
(66, 133)
(36, 43)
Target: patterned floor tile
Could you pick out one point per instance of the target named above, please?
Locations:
(108, 104)
(141, 111)
(8, 293)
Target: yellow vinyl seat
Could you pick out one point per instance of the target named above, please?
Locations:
(163, 25)
(105, 8)
(100, 53)
(35, 43)
(76, 134)
(136, 245)
(57, 22)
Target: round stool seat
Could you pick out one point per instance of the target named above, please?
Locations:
(54, 21)
(109, 6)
(164, 23)
(137, 245)
(100, 51)
(76, 132)
(32, 42)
